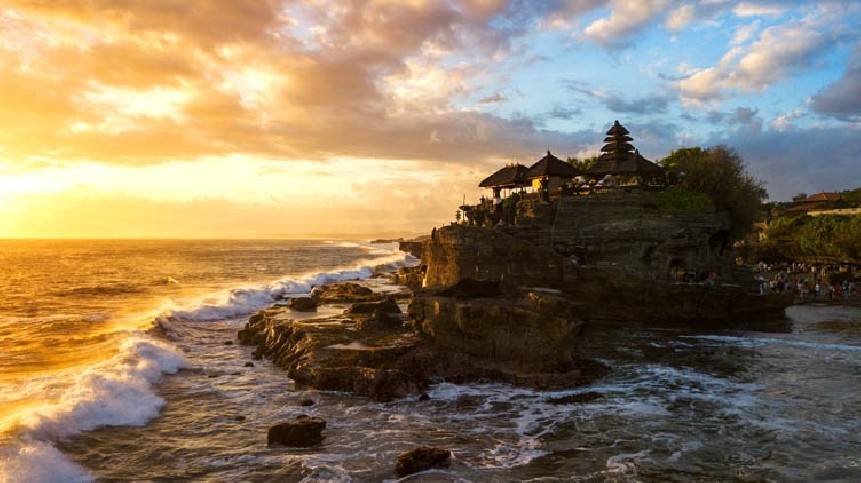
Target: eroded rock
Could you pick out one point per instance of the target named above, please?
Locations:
(422, 458)
(304, 431)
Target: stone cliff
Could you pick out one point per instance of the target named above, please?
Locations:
(616, 255)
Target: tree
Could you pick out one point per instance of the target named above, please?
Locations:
(800, 197)
(720, 173)
(585, 164)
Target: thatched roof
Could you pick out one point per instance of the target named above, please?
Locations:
(620, 157)
(617, 130)
(626, 163)
(551, 166)
(508, 177)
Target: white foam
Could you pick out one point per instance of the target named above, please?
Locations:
(761, 341)
(114, 392)
(36, 461)
(117, 391)
(243, 301)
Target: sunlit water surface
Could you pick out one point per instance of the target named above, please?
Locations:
(679, 404)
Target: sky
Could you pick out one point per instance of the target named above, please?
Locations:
(315, 118)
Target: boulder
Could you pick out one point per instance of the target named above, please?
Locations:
(422, 458)
(343, 292)
(304, 431)
(302, 304)
(387, 306)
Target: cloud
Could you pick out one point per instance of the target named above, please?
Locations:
(779, 52)
(494, 98)
(783, 159)
(647, 105)
(626, 18)
(744, 115)
(565, 113)
(751, 9)
(842, 99)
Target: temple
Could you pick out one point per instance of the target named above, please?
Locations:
(612, 238)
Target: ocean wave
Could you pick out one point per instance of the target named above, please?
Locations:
(102, 291)
(117, 391)
(242, 301)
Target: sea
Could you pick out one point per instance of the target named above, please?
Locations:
(118, 362)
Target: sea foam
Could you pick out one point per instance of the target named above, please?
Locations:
(242, 301)
(117, 391)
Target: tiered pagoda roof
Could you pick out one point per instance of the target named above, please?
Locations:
(551, 166)
(620, 157)
(510, 176)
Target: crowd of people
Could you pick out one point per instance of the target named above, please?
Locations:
(808, 280)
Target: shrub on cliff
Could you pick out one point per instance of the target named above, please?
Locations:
(678, 199)
(721, 174)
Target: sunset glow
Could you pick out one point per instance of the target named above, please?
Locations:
(233, 119)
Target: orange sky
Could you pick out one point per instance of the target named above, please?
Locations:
(265, 118)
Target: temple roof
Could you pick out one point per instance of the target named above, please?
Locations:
(551, 166)
(620, 157)
(508, 177)
(632, 163)
(617, 129)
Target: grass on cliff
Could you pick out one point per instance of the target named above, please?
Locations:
(679, 199)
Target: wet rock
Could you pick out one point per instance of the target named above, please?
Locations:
(387, 305)
(249, 364)
(307, 402)
(422, 458)
(302, 304)
(576, 398)
(343, 292)
(304, 431)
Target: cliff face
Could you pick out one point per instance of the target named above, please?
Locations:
(461, 252)
(616, 255)
(625, 232)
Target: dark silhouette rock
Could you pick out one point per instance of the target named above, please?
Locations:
(470, 289)
(249, 364)
(422, 458)
(228, 342)
(304, 431)
(424, 397)
(307, 402)
(239, 418)
(302, 304)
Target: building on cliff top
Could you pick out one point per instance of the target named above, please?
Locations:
(550, 173)
(620, 164)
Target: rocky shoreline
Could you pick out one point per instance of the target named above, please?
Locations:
(461, 334)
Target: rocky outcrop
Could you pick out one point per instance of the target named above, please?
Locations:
(422, 458)
(373, 351)
(304, 431)
(302, 304)
(343, 293)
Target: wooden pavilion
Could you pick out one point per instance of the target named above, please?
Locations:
(550, 173)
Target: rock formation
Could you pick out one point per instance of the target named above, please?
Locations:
(374, 351)
(304, 431)
(422, 458)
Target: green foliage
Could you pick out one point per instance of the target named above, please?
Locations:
(826, 236)
(720, 173)
(678, 199)
(853, 197)
(585, 164)
(800, 197)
